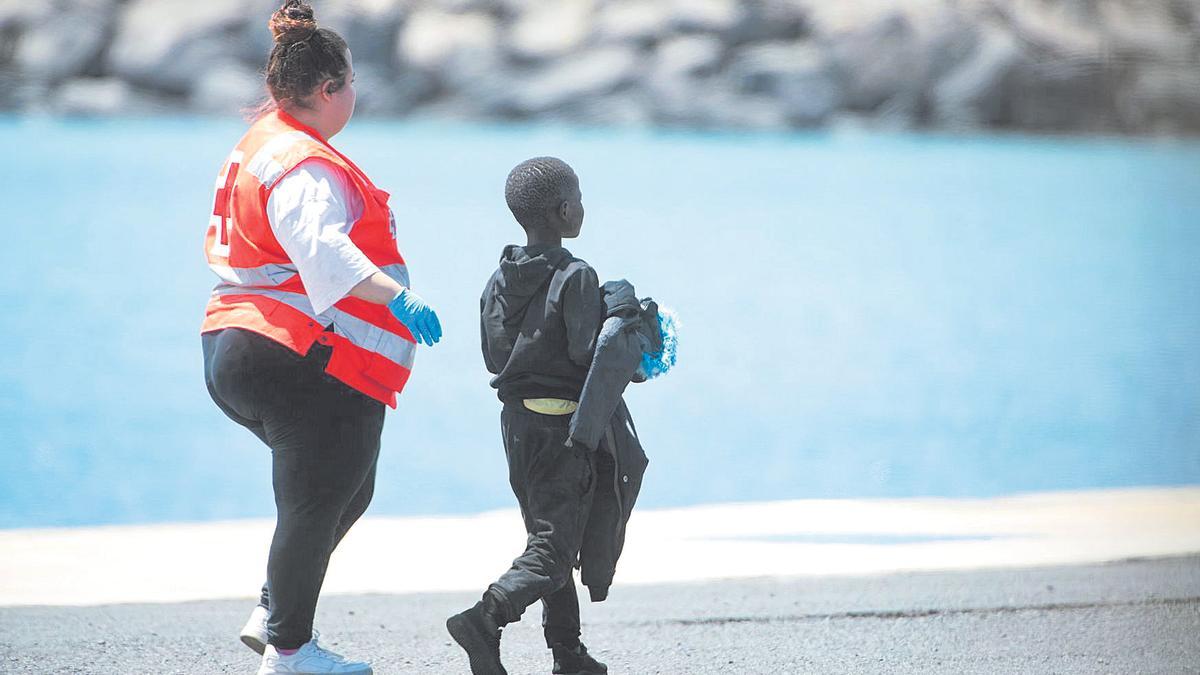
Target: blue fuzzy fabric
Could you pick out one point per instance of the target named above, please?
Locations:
(656, 363)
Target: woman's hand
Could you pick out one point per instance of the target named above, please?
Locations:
(417, 316)
(408, 307)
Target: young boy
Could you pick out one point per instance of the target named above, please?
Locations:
(540, 315)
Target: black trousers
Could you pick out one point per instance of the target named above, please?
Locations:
(324, 440)
(554, 485)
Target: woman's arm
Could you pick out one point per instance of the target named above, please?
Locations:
(378, 288)
(311, 212)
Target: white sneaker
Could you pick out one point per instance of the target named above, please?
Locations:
(310, 659)
(254, 633)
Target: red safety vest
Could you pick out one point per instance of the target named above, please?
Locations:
(260, 289)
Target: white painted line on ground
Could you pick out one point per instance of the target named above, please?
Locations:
(177, 562)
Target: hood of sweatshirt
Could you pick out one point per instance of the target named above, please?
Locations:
(523, 272)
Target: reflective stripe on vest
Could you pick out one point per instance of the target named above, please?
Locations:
(364, 334)
(271, 274)
(398, 273)
(263, 165)
(274, 274)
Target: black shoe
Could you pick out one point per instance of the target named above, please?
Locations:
(576, 661)
(477, 633)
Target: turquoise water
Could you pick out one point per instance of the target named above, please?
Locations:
(863, 315)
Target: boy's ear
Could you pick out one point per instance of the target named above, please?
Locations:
(564, 211)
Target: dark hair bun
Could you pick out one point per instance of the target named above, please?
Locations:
(293, 22)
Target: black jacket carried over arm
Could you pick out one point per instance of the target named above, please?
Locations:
(603, 423)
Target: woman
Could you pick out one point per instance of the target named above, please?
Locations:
(312, 328)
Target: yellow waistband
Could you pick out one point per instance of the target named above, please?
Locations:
(551, 406)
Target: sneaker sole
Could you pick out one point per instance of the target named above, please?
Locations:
(367, 671)
(474, 645)
(254, 643)
(364, 671)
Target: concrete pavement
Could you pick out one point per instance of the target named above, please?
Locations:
(1133, 616)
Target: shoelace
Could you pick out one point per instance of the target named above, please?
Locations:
(325, 653)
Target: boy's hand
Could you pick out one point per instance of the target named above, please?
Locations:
(417, 316)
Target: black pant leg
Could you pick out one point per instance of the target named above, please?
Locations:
(560, 614)
(357, 506)
(325, 440)
(217, 348)
(321, 460)
(554, 487)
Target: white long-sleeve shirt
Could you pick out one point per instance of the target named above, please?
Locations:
(311, 212)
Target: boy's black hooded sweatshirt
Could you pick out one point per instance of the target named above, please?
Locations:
(539, 317)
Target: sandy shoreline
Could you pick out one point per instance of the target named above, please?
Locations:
(181, 562)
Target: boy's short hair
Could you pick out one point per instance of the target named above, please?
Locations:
(535, 188)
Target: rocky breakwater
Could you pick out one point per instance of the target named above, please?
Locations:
(1044, 65)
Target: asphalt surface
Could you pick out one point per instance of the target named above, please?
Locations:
(1137, 616)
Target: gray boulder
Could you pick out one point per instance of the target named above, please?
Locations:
(642, 21)
(381, 91)
(680, 69)
(767, 20)
(1053, 30)
(1162, 99)
(168, 45)
(1062, 95)
(707, 16)
(15, 13)
(1089, 69)
(976, 93)
(797, 76)
(103, 97)
(889, 53)
(453, 60)
(591, 74)
(461, 6)
(369, 26)
(947, 37)
(228, 88)
(1150, 32)
(1069, 80)
(877, 61)
(16, 16)
(63, 38)
(625, 108)
(456, 50)
(252, 40)
(717, 107)
(687, 56)
(547, 30)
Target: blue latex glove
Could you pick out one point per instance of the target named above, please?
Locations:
(418, 317)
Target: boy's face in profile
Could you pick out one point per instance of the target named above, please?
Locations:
(571, 213)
